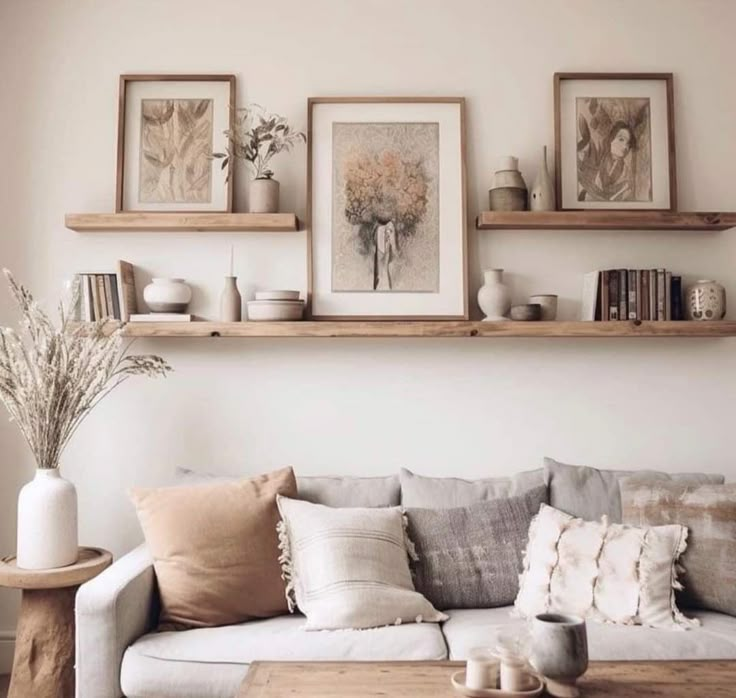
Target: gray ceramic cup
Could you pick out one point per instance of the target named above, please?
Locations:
(560, 651)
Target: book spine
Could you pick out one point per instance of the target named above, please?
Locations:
(115, 297)
(677, 298)
(605, 308)
(86, 299)
(613, 294)
(668, 295)
(108, 295)
(95, 297)
(652, 294)
(660, 294)
(644, 276)
(623, 304)
(100, 281)
(631, 285)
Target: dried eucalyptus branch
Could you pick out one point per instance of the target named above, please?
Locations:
(51, 379)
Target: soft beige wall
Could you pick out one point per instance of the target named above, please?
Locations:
(455, 407)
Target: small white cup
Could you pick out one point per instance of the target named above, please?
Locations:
(481, 670)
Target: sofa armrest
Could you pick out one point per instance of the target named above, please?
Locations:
(112, 611)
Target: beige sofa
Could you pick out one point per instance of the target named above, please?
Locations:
(119, 652)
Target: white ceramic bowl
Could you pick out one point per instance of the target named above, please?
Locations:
(277, 295)
(275, 310)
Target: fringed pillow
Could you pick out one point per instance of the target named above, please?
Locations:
(349, 568)
(606, 572)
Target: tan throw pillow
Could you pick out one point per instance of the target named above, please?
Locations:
(605, 572)
(709, 512)
(215, 548)
(349, 568)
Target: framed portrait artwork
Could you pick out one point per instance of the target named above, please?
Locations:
(615, 141)
(386, 208)
(168, 128)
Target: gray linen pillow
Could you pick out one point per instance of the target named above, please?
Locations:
(589, 493)
(448, 492)
(471, 557)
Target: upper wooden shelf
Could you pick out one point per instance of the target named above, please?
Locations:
(182, 222)
(604, 220)
(428, 328)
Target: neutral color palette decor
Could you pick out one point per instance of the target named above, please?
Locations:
(494, 297)
(705, 300)
(560, 652)
(542, 194)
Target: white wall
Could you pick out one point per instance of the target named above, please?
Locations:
(443, 407)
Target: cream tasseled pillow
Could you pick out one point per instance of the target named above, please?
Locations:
(349, 568)
(606, 572)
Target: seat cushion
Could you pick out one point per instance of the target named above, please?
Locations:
(211, 662)
(714, 639)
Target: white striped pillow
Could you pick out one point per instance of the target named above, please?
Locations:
(349, 568)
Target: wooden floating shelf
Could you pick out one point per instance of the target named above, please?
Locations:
(627, 328)
(604, 220)
(182, 222)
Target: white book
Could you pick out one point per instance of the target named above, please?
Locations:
(160, 317)
(590, 295)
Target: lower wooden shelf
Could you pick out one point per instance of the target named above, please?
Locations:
(627, 328)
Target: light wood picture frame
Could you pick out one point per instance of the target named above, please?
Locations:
(386, 225)
(615, 141)
(168, 127)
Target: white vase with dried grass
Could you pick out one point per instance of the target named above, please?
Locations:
(50, 380)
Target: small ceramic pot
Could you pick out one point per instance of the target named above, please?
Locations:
(530, 312)
(560, 652)
(494, 297)
(549, 305)
(508, 190)
(264, 196)
(705, 300)
(167, 295)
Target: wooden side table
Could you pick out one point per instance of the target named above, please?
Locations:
(43, 664)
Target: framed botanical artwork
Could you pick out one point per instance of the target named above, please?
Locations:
(615, 141)
(386, 208)
(168, 128)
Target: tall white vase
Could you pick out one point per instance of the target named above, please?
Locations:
(542, 195)
(47, 522)
(494, 297)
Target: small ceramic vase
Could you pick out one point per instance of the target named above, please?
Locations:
(264, 196)
(167, 295)
(560, 652)
(47, 522)
(530, 312)
(231, 303)
(542, 194)
(508, 191)
(549, 305)
(705, 300)
(494, 297)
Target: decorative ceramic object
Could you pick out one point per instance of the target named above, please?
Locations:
(530, 312)
(508, 191)
(548, 302)
(494, 297)
(481, 670)
(231, 304)
(167, 295)
(264, 196)
(275, 310)
(542, 194)
(47, 522)
(705, 300)
(277, 295)
(560, 652)
(458, 683)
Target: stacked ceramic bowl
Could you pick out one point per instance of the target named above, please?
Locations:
(276, 305)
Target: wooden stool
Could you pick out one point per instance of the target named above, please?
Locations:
(43, 663)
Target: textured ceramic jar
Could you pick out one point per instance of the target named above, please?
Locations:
(705, 300)
(548, 302)
(560, 652)
(167, 295)
(508, 191)
(264, 196)
(494, 297)
(47, 522)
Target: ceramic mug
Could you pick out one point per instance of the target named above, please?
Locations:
(560, 651)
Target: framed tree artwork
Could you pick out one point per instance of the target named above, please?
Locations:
(168, 128)
(386, 208)
(615, 141)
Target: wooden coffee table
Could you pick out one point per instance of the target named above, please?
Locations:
(696, 679)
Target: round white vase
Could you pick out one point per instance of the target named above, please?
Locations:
(494, 297)
(47, 522)
(167, 295)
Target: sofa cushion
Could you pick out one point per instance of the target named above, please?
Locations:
(332, 491)
(451, 492)
(211, 662)
(714, 639)
(589, 493)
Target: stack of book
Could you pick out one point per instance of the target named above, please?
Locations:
(632, 294)
(107, 295)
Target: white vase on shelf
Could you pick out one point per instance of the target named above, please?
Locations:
(542, 195)
(494, 297)
(47, 522)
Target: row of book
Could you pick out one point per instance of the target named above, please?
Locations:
(632, 294)
(107, 295)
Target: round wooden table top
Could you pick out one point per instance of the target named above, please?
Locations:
(89, 564)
